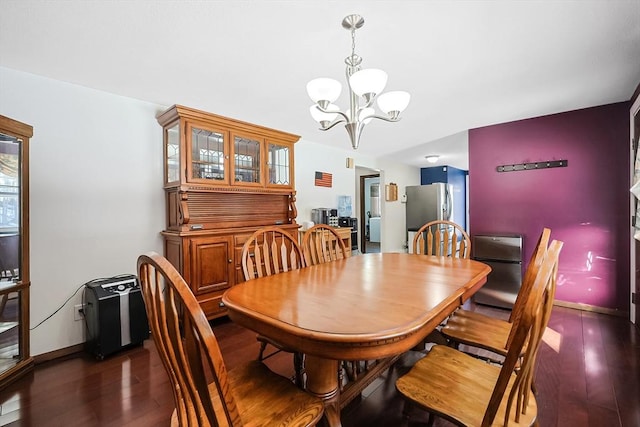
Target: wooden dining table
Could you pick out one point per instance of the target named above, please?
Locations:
(365, 307)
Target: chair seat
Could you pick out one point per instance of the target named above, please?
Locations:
(261, 394)
(475, 316)
(483, 332)
(458, 387)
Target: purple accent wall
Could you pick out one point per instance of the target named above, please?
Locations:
(586, 204)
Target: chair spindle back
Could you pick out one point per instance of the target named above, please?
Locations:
(321, 244)
(527, 330)
(186, 344)
(270, 250)
(442, 238)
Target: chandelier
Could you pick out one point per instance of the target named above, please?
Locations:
(365, 87)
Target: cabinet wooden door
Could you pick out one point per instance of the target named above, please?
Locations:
(247, 155)
(211, 271)
(279, 161)
(208, 154)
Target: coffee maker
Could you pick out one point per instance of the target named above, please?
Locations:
(320, 215)
(325, 216)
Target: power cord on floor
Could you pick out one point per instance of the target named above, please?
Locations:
(74, 294)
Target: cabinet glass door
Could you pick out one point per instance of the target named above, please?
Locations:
(279, 164)
(10, 250)
(172, 154)
(207, 155)
(246, 157)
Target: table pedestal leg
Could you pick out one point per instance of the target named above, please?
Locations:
(322, 381)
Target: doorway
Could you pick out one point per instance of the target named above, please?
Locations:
(371, 213)
(634, 313)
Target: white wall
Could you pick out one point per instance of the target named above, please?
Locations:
(96, 191)
(311, 157)
(393, 227)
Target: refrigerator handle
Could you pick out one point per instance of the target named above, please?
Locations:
(448, 204)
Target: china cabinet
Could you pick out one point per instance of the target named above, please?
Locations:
(223, 179)
(15, 358)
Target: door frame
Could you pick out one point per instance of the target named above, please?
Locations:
(634, 288)
(363, 213)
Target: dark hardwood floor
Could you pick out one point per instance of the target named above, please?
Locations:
(588, 375)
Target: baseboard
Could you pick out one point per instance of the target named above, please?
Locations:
(74, 349)
(58, 354)
(592, 308)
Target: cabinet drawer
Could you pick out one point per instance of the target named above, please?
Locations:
(240, 239)
(211, 305)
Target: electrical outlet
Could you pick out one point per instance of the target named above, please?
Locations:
(78, 311)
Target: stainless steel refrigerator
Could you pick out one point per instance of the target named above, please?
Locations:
(427, 203)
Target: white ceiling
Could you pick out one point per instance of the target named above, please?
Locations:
(466, 63)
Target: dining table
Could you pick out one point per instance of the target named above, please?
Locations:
(365, 307)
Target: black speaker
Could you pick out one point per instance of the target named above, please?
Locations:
(115, 316)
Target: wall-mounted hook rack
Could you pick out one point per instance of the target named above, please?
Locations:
(533, 166)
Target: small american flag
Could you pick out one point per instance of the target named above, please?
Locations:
(323, 179)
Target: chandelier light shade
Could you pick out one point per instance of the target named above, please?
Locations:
(368, 82)
(364, 85)
(322, 116)
(324, 90)
(393, 103)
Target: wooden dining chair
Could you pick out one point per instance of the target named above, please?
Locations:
(205, 393)
(442, 238)
(487, 332)
(268, 251)
(321, 243)
(470, 392)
